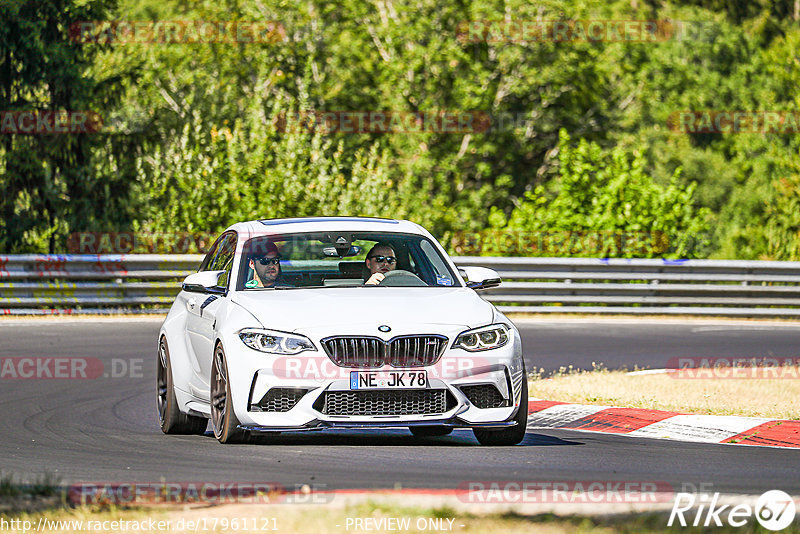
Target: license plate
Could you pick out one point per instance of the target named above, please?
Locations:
(388, 379)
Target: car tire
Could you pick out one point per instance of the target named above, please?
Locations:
(172, 420)
(511, 435)
(223, 418)
(430, 431)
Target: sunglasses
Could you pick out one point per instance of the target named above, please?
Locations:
(269, 261)
(384, 259)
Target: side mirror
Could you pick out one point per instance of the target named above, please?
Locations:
(204, 282)
(480, 277)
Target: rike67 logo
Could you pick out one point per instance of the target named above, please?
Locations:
(774, 510)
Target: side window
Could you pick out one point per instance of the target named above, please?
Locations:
(440, 269)
(205, 266)
(223, 258)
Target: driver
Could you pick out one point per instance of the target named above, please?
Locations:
(380, 260)
(266, 268)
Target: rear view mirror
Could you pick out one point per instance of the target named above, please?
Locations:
(333, 252)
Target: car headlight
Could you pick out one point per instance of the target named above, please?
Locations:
(484, 338)
(275, 342)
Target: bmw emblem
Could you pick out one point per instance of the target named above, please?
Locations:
(384, 328)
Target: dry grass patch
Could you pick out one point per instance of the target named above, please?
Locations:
(752, 397)
(390, 517)
(322, 519)
(647, 318)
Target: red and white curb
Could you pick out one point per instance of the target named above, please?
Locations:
(659, 424)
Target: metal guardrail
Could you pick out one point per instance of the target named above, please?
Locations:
(147, 283)
(644, 286)
(84, 283)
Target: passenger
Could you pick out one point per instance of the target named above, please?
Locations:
(266, 269)
(380, 260)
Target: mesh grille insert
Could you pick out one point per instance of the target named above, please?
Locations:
(485, 396)
(397, 402)
(280, 399)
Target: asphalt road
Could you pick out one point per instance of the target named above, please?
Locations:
(626, 344)
(105, 429)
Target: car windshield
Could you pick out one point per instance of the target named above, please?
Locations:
(338, 259)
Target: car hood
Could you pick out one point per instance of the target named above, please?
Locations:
(296, 310)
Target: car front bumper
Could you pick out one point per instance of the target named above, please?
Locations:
(255, 374)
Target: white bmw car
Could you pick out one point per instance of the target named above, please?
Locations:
(338, 322)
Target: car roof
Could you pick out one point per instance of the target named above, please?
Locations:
(333, 224)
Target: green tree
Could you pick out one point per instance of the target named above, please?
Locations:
(603, 204)
(50, 184)
(782, 228)
(191, 141)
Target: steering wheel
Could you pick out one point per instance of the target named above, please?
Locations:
(401, 278)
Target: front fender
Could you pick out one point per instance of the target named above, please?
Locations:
(237, 353)
(174, 330)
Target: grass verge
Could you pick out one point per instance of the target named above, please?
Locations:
(751, 397)
(644, 318)
(374, 516)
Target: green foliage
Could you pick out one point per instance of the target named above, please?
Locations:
(51, 183)
(192, 141)
(783, 212)
(210, 176)
(603, 204)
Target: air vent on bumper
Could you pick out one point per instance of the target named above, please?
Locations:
(484, 396)
(395, 402)
(279, 400)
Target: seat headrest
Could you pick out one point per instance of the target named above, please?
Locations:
(352, 269)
